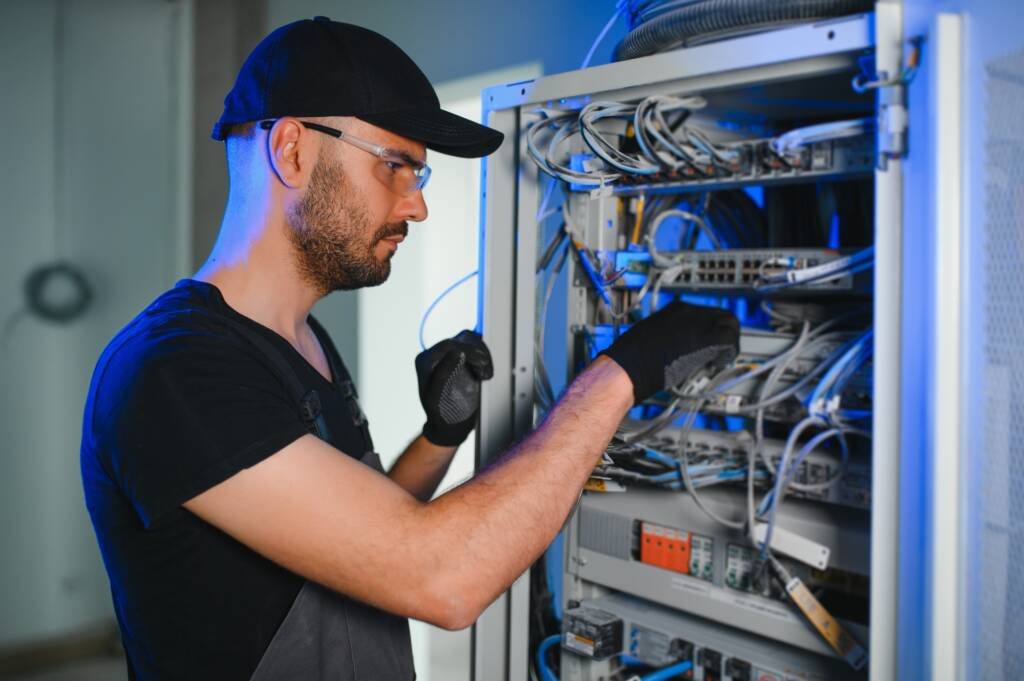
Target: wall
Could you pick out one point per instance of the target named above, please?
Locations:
(111, 166)
(96, 115)
(452, 39)
(224, 32)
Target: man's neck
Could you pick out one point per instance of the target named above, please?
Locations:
(256, 274)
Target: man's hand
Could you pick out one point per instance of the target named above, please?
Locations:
(674, 343)
(449, 377)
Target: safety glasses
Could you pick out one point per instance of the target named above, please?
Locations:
(401, 172)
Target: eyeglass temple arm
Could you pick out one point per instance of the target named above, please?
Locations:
(268, 124)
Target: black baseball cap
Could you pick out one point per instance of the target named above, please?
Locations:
(319, 67)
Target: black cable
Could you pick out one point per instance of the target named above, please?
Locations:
(701, 21)
(751, 216)
(42, 301)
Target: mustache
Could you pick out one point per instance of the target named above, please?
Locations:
(395, 229)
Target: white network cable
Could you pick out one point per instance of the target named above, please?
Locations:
(833, 269)
(801, 137)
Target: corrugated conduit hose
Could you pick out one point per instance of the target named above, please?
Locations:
(710, 19)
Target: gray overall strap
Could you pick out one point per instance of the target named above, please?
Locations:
(328, 637)
(310, 410)
(344, 382)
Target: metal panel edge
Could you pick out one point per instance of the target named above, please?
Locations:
(829, 39)
(496, 284)
(525, 257)
(946, 553)
(888, 303)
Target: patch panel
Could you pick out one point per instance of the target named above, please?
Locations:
(657, 637)
(758, 346)
(736, 270)
(758, 164)
(851, 487)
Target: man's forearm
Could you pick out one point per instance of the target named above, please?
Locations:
(421, 467)
(486, 532)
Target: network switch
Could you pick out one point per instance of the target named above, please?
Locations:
(737, 270)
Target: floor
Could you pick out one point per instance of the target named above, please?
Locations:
(94, 669)
(449, 662)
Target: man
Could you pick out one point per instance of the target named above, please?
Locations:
(247, 527)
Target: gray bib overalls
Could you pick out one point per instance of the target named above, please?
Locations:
(327, 636)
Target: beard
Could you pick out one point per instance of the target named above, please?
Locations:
(331, 234)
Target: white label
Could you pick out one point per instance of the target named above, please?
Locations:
(690, 584)
(767, 676)
(793, 545)
(758, 605)
(581, 645)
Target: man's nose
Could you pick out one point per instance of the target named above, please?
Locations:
(412, 208)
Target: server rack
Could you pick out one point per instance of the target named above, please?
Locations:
(739, 72)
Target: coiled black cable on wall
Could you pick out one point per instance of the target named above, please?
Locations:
(657, 26)
(56, 292)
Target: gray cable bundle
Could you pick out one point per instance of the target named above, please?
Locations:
(707, 20)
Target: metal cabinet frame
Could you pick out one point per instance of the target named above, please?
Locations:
(508, 282)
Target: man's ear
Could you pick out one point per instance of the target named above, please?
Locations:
(291, 152)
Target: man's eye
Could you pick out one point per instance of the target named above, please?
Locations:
(394, 166)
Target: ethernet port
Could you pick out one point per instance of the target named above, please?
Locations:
(711, 662)
(680, 650)
(738, 670)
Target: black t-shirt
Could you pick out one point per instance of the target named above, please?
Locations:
(180, 402)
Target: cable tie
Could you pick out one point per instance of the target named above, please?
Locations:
(832, 406)
(817, 408)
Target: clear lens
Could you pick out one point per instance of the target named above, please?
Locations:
(401, 177)
(422, 177)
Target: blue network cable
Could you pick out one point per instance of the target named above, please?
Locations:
(553, 572)
(780, 473)
(865, 352)
(665, 459)
(443, 294)
(542, 664)
(620, 7)
(668, 672)
(840, 373)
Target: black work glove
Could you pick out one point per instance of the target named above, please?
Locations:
(449, 376)
(673, 344)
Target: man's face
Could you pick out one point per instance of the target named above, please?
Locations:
(339, 244)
